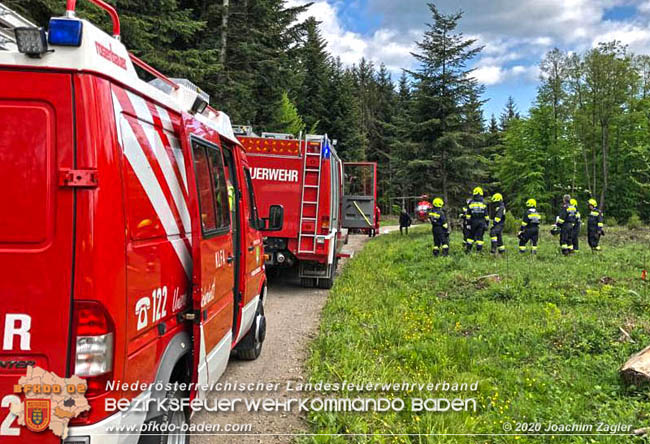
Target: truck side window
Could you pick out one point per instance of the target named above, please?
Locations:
(204, 188)
(220, 188)
(251, 198)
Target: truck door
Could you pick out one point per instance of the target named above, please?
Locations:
(360, 195)
(253, 254)
(37, 142)
(213, 261)
(234, 197)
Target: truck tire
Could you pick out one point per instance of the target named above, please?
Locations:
(328, 283)
(177, 420)
(307, 282)
(250, 347)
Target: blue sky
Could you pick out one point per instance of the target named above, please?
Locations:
(516, 35)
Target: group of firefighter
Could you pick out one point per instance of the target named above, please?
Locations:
(475, 219)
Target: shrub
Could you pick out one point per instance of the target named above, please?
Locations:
(512, 224)
(634, 222)
(611, 222)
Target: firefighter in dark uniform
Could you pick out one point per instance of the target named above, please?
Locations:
(440, 228)
(594, 226)
(498, 222)
(530, 227)
(404, 222)
(479, 218)
(566, 222)
(465, 222)
(575, 235)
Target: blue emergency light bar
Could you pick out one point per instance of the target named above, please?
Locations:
(65, 32)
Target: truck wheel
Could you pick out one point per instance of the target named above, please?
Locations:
(328, 283)
(250, 347)
(307, 282)
(172, 423)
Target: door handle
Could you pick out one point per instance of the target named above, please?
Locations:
(251, 248)
(230, 259)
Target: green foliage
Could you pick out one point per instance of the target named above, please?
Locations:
(512, 224)
(611, 221)
(542, 339)
(448, 121)
(588, 133)
(287, 118)
(634, 222)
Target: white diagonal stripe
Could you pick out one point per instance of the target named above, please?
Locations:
(143, 113)
(165, 119)
(140, 164)
(173, 141)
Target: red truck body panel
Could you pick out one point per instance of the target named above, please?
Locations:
(116, 198)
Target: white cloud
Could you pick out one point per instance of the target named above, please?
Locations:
(489, 75)
(385, 45)
(515, 33)
(644, 7)
(633, 35)
(493, 75)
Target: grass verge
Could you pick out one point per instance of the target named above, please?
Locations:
(541, 337)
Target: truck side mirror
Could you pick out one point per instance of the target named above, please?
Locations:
(276, 218)
(274, 222)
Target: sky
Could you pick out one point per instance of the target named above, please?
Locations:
(515, 34)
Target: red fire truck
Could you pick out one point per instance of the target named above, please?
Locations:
(299, 187)
(130, 243)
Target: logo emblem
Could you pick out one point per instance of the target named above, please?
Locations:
(37, 414)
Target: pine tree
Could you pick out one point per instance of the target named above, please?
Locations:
(315, 64)
(403, 149)
(287, 117)
(343, 114)
(443, 87)
(509, 113)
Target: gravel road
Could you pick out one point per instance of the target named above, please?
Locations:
(293, 315)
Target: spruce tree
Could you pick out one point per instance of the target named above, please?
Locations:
(314, 64)
(443, 86)
(287, 117)
(509, 113)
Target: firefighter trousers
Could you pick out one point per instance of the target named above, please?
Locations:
(575, 235)
(593, 237)
(566, 238)
(440, 241)
(477, 231)
(467, 231)
(529, 234)
(496, 237)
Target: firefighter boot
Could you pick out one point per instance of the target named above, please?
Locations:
(493, 250)
(436, 251)
(479, 246)
(501, 249)
(468, 246)
(445, 250)
(533, 250)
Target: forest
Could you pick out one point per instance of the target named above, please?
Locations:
(587, 132)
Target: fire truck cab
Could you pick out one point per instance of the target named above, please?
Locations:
(299, 185)
(130, 241)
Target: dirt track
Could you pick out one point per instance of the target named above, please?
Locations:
(293, 315)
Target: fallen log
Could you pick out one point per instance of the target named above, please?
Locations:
(637, 369)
